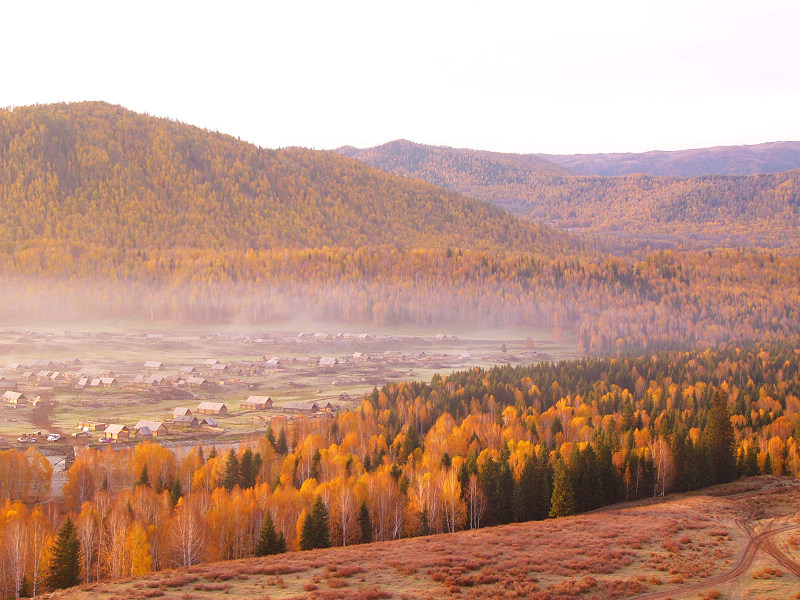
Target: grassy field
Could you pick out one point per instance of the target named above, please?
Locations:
(741, 540)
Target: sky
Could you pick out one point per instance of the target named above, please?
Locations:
(560, 77)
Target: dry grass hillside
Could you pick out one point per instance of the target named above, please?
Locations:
(741, 540)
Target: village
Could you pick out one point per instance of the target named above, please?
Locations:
(91, 388)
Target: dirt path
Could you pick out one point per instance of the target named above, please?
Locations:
(787, 562)
(757, 542)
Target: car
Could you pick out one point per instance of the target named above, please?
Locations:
(22, 438)
(33, 439)
(53, 437)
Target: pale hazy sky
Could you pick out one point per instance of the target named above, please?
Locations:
(559, 76)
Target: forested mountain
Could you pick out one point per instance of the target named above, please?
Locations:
(92, 175)
(772, 157)
(627, 211)
(119, 214)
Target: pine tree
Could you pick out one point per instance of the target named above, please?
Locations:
(144, 479)
(544, 487)
(365, 523)
(246, 475)
(269, 542)
(175, 491)
(65, 565)
(525, 492)
(719, 439)
(504, 495)
(282, 447)
(270, 435)
(563, 499)
(315, 532)
(231, 471)
(410, 444)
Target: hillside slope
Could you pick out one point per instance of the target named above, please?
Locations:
(95, 174)
(632, 210)
(772, 157)
(724, 539)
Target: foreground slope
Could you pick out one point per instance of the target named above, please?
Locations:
(92, 175)
(739, 540)
(632, 210)
(772, 157)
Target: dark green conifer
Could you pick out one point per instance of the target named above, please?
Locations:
(175, 491)
(719, 439)
(282, 447)
(269, 542)
(364, 523)
(144, 479)
(315, 531)
(65, 566)
(231, 477)
(562, 503)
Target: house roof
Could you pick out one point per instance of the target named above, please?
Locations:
(182, 411)
(13, 396)
(112, 429)
(258, 400)
(211, 406)
(153, 364)
(304, 406)
(152, 425)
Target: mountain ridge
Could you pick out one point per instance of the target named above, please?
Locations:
(746, 159)
(73, 173)
(627, 211)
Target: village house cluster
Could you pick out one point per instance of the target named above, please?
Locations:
(205, 414)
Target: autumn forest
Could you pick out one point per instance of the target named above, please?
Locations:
(682, 295)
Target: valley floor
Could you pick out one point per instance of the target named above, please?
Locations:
(740, 540)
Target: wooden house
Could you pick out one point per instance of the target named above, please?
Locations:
(156, 428)
(300, 407)
(212, 408)
(328, 361)
(117, 433)
(7, 385)
(91, 425)
(184, 421)
(154, 365)
(257, 403)
(17, 398)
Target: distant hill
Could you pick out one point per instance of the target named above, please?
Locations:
(453, 168)
(773, 157)
(625, 211)
(93, 174)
